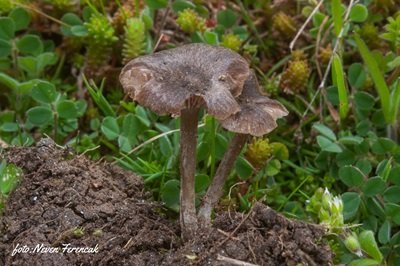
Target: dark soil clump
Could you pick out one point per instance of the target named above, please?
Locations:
(66, 199)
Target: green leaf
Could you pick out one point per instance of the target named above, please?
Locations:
(369, 246)
(87, 13)
(180, 5)
(211, 37)
(384, 232)
(203, 151)
(338, 78)
(81, 106)
(351, 140)
(44, 92)
(273, 167)
(141, 114)
(365, 166)
(346, 157)
(392, 194)
(318, 18)
(9, 127)
(364, 101)
(45, 59)
(147, 20)
(5, 48)
(328, 145)
(394, 63)
(110, 128)
(326, 131)
(130, 126)
(358, 13)
(279, 150)
(394, 175)
(395, 240)
(392, 210)
(163, 128)
(170, 194)
(23, 139)
(69, 20)
(5, 63)
(166, 146)
(7, 28)
(67, 109)
(351, 176)
(197, 37)
(364, 262)
(202, 182)
(40, 115)
(156, 4)
(374, 207)
(8, 81)
(202, 11)
(227, 18)
(241, 31)
(79, 31)
(27, 86)
(373, 186)
(377, 77)
(28, 64)
(363, 127)
(124, 143)
(383, 169)
(21, 18)
(351, 202)
(35, 65)
(9, 177)
(243, 168)
(370, 222)
(337, 16)
(383, 145)
(357, 75)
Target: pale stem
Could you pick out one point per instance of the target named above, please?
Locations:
(188, 217)
(215, 190)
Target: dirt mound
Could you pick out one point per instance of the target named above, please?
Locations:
(67, 202)
(262, 237)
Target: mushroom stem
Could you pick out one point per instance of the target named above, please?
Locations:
(188, 217)
(215, 190)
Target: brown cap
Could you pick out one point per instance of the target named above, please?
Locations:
(258, 113)
(166, 81)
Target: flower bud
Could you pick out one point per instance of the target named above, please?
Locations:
(352, 244)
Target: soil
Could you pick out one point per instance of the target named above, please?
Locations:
(67, 199)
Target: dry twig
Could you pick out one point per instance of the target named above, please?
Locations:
(234, 261)
(3, 144)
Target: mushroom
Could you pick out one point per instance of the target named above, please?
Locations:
(179, 82)
(257, 117)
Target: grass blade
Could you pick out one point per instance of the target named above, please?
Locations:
(338, 79)
(377, 77)
(395, 101)
(98, 98)
(337, 16)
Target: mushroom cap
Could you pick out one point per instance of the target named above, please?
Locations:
(258, 113)
(168, 81)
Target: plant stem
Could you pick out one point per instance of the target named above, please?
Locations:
(392, 131)
(55, 116)
(212, 147)
(188, 217)
(215, 190)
